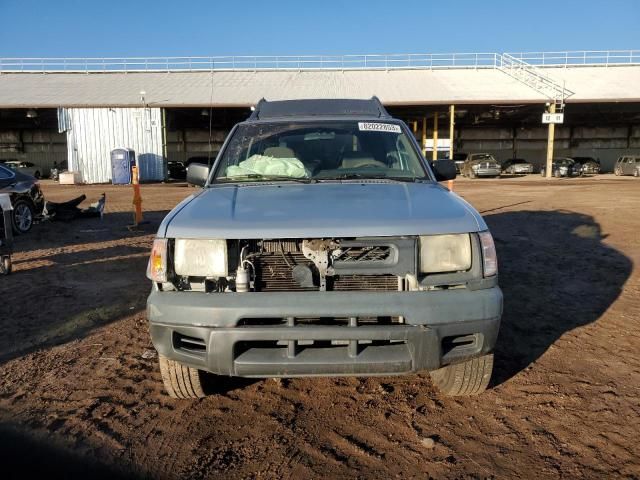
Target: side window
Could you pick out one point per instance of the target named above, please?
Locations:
(5, 173)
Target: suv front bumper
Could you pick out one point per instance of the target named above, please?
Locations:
(440, 327)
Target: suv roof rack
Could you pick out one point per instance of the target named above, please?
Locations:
(372, 108)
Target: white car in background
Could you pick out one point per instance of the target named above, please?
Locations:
(24, 167)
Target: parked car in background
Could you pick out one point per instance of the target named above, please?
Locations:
(24, 167)
(590, 166)
(459, 159)
(515, 166)
(563, 167)
(26, 197)
(177, 169)
(481, 165)
(628, 165)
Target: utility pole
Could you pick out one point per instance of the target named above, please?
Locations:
(550, 139)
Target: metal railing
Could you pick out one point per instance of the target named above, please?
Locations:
(580, 58)
(533, 76)
(304, 62)
(318, 62)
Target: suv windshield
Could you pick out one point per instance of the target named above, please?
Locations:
(483, 156)
(331, 150)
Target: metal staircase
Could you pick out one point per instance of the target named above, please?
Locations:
(535, 78)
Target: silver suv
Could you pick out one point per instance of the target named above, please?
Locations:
(322, 244)
(628, 165)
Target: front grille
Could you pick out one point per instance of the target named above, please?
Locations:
(365, 253)
(273, 274)
(317, 321)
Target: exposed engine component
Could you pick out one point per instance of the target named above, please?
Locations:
(242, 280)
(298, 265)
(318, 252)
(303, 276)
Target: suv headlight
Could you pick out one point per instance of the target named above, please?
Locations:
(445, 253)
(200, 258)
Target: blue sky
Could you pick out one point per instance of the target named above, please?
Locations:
(165, 28)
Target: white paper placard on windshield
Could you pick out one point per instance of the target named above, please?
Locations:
(378, 127)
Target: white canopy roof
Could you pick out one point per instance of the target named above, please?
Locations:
(244, 88)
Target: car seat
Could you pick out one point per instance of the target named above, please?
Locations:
(359, 159)
(279, 152)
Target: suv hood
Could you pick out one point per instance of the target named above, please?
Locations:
(293, 210)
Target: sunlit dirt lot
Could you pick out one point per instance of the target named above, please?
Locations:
(77, 396)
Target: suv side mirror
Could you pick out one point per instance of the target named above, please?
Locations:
(444, 169)
(197, 174)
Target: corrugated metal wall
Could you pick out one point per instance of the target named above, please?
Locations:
(93, 132)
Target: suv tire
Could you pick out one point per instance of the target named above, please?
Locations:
(466, 378)
(180, 381)
(636, 172)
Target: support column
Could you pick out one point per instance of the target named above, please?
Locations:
(165, 152)
(435, 137)
(424, 136)
(452, 122)
(550, 139)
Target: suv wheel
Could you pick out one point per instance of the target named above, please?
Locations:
(23, 213)
(466, 378)
(617, 171)
(636, 172)
(180, 381)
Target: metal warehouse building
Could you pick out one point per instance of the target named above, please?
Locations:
(78, 110)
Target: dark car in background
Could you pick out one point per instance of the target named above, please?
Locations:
(517, 166)
(628, 165)
(26, 197)
(177, 169)
(459, 159)
(481, 165)
(589, 165)
(563, 167)
(27, 168)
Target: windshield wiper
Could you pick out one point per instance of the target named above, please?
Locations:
(266, 178)
(360, 176)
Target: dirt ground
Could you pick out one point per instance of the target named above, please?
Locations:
(77, 397)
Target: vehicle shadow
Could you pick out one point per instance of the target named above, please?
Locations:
(515, 175)
(556, 275)
(25, 456)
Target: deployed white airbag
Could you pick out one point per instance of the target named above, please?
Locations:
(265, 165)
